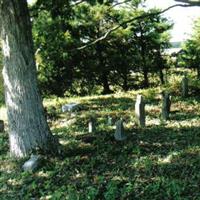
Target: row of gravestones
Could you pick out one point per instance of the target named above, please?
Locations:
(140, 111)
(35, 160)
(140, 116)
(139, 107)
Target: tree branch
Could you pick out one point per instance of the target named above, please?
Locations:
(129, 21)
(77, 2)
(119, 3)
(191, 2)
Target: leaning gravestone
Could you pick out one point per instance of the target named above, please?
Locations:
(184, 86)
(119, 132)
(140, 111)
(71, 107)
(1, 126)
(166, 104)
(32, 164)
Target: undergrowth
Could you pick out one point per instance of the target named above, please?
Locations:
(160, 161)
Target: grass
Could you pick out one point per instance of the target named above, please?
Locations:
(160, 161)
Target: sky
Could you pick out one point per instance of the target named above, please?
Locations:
(183, 18)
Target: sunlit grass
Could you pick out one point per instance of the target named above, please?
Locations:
(160, 161)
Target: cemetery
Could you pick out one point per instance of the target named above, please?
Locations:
(99, 100)
(112, 140)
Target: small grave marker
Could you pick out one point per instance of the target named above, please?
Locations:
(166, 104)
(32, 164)
(119, 132)
(140, 111)
(184, 86)
(71, 107)
(91, 125)
(110, 121)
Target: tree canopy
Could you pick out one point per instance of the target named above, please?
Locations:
(65, 68)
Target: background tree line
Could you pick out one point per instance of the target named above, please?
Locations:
(189, 56)
(125, 60)
(132, 51)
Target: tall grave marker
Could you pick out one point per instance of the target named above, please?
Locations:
(140, 111)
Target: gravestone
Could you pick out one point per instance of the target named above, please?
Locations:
(140, 111)
(91, 125)
(1, 126)
(71, 107)
(184, 86)
(119, 132)
(110, 121)
(32, 164)
(166, 104)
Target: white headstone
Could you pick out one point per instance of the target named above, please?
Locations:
(140, 111)
(91, 125)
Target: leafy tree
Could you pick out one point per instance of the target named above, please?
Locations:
(60, 62)
(190, 54)
(108, 62)
(51, 31)
(151, 38)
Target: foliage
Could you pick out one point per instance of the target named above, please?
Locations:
(160, 161)
(190, 55)
(105, 66)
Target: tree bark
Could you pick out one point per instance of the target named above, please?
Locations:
(106, 86)
(125, 81)
(146, 79)
(104, 72)
(161, 76)
(28, 129)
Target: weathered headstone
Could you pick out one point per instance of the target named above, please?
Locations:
(166, 104)
(32, 164)
(110, 121)
(71, 107)
(140, 111)
(91, 125)
(1, 126)
(184, 86)
(119, 132)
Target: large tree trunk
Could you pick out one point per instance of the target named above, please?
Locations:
(28, 129)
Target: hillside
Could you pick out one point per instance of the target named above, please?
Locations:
(160, 161)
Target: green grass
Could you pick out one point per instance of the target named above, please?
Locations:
(160, 161)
